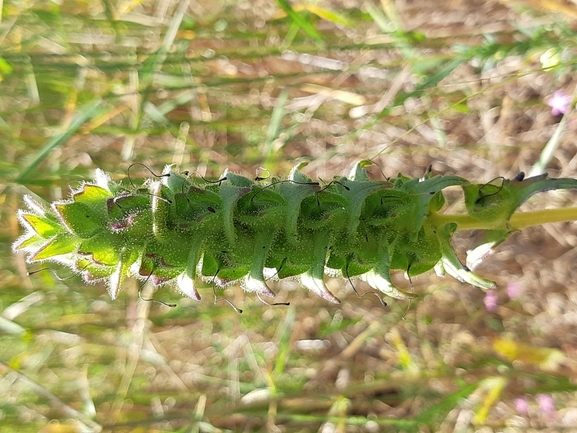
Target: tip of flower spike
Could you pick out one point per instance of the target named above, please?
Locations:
(451, 264)
(317, 286)
(39, 224)
(102, 179)
(126, 266)
(297, 168)
(168, 168)
(461, 273)
(252, 284)
(36, 204)
(384, 285)
(476, 256)
(296, 175)
(115, 282)
(186, 286)
(358, 172)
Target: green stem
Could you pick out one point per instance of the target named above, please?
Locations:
(518, 221)
(525, 219)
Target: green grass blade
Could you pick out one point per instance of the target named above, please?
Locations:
(299, 20)
(89, 112)
(274, 127)
(549, 150)
(284, 346)
(431, 415)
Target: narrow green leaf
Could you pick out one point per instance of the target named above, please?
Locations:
(329, 15)
(441, 409)
(284, 339)
(299, 20)
(89, 112)
(274, 127)
(549, 150)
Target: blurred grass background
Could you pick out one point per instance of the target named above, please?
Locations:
(462, 85)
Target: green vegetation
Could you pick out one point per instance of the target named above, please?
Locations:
(463, 87)
(236, 230)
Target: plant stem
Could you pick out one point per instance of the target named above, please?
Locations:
(518, 221)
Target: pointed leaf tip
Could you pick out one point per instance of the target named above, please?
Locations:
(102, 179)
(383, 284)
(57, 247)
(454, 268)
(186, 286)
(36, 204)
(358, 172)
(252, 284)
(115, 282)
(92, 194)
(43, 226)
(317, 286)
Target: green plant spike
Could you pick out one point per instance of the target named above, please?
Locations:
(176, 229)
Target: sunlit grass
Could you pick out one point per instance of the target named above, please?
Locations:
(209, 85)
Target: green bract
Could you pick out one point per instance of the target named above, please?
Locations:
(179, 229)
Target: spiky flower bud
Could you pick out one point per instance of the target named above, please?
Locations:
(179, 229)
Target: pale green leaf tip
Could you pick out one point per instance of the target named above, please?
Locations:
(384, 285)
(257, 285)
(317, 285)
(456, 270)
(186, 286)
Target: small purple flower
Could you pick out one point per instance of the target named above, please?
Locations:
(521, 405)
(559, 103)
(546, 405)
(513, 290)
(491, 301)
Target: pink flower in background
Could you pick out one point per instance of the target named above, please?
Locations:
(521, 405)
(546, 405)
(491, 301)
(513, 290)
(559, 103)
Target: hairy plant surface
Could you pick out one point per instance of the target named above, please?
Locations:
(177, 229)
